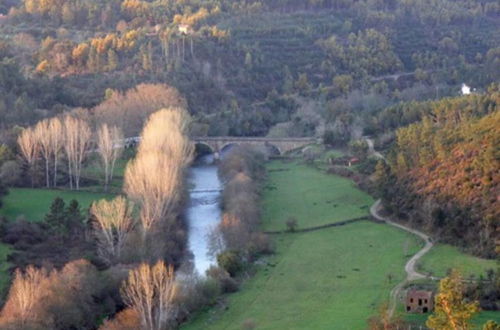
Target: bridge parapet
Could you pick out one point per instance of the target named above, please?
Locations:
(218, 143)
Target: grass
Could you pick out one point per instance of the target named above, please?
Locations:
(313, 198)
(443, 257)
(333, 278)
(33, 204)
(328, 279)
(477, 322)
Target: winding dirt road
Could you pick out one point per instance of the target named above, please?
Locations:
(411, 273)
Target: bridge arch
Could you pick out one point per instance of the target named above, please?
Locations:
(228, 146)
(273, 150)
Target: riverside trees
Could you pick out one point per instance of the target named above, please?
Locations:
(154, 177)
(48, 138)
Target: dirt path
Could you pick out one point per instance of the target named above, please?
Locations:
(411, 273)
(371, 149)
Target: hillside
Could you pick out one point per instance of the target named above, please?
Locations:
(444, 172)
(228, 57)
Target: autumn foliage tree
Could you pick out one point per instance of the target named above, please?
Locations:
(42, 133)
(25, 292)
(154, 177)
(110, 147)
(151, 292)
(129, 110)
(113, 224)
(28, 145)
(77, 136)
(452, 311)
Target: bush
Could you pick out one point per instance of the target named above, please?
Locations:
(367, 166)
(128, 319)
(10, 173)
(291, 224)
(260, 243)
(209, 290)
(226, 282)
(230, 261)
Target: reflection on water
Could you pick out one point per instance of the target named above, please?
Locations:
(203, 213)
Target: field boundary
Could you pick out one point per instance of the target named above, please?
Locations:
(309, 229)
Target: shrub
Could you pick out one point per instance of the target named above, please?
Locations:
(260, 243)
(226, 282)
(10, 173)
(248, 324)
(291, 224)
(128, 319)
(230, 261)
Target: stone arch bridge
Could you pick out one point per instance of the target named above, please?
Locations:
(219, 143)
(281, 145)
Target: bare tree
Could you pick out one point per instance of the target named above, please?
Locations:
(56, 142)
(110, 148)
(77, 135)
(166, 132)
(114, 222)
(154, 177)
(28, 145)
(151, 291)
(153, 181)
(25, 292)
(130, 110)
(42, 133)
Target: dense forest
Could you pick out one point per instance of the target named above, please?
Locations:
(247, 67)
(444, 170)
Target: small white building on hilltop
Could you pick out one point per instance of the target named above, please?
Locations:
(465, 89)
(185, 29)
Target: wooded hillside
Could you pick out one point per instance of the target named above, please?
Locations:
(444, 171)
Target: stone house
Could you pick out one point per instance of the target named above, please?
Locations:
(419, 301)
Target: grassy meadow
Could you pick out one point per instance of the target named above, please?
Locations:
(443, 257)
(33, 204)
(334, 278)
(312, 197)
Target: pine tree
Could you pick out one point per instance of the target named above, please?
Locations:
(56, 216)
(73, 216)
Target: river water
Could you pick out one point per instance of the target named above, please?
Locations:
(203, 213)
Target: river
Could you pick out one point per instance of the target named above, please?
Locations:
(203, 213)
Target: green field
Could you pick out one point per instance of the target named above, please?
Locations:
(310, 196)
(328, 279)
(33, 204)
(443, 257)
(333, 278)
(477, 322)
